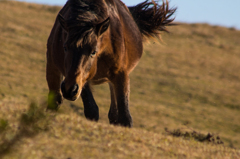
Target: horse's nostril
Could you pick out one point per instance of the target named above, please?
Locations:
(63, 87)
(74, 90)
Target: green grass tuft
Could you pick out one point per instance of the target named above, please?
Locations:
(3, 124)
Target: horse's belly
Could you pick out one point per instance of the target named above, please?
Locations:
(99, 81)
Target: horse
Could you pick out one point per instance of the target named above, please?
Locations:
(100, 41)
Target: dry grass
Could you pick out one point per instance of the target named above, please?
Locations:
(191, 82)
(47, 135)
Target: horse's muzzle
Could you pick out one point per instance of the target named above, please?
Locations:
(71, 93)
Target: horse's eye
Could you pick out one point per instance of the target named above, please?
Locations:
(65, 48)
(93, 53)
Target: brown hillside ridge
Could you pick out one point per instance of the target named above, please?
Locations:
(182, 91)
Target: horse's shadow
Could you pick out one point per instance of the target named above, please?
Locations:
(28, 127)
(77, 109)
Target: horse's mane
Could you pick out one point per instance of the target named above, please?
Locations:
(84, 16)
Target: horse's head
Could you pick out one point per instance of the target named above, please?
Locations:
(81, 50)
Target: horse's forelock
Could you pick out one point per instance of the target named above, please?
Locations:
(84, 16)
(79, 37)
(94, 11)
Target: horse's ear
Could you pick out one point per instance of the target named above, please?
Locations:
(62, 22)
(102, 27)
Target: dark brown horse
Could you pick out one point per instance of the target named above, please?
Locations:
(97, 41)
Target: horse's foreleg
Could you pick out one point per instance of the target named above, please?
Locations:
(54, 79)
(90, 107)
(113, 112)
(121, 87)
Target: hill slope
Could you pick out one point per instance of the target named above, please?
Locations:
(191, 82)
(47, 135)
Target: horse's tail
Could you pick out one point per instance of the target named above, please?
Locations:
(152, 18)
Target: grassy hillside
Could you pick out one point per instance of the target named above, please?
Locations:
(189, 83)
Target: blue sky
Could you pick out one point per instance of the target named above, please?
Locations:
(215, 12)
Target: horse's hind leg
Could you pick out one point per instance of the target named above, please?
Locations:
(113, 112)
(54, 79)
(90, 107)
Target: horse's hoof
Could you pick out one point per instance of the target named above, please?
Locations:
(92, 114)
(126, 122)
(113, 122)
